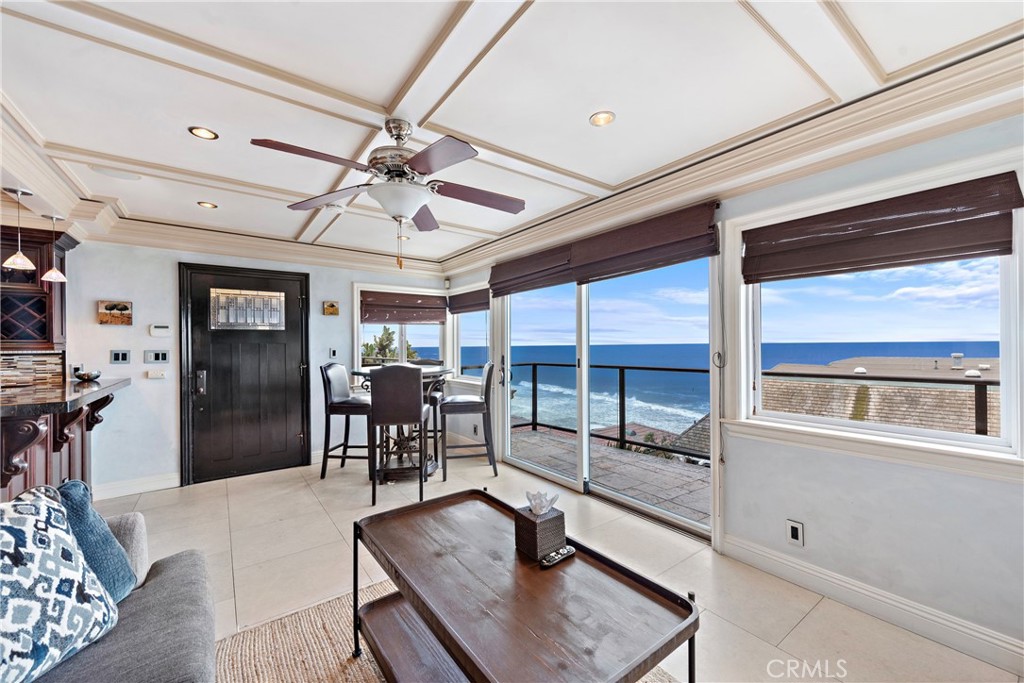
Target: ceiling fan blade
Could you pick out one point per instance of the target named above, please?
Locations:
(329, 198)
(311, 153)
(446, 152)
(475, 195)
(424, 220)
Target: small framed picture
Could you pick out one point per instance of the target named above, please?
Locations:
(114, 312)
(330, 308)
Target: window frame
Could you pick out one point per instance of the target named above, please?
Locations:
(889, 442)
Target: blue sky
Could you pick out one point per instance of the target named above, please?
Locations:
(950, 301)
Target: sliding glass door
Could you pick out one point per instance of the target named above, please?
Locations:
(542, 394)
(649, 393)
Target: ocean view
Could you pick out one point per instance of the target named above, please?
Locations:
(670, 401)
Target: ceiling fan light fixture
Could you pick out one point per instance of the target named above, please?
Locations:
(602, 118)
(203, 133)
(18, 260)
(398, 199)
(207, 205)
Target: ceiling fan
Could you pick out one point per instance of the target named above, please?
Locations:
(402, 188)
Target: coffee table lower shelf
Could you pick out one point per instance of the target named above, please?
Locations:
(403, 645)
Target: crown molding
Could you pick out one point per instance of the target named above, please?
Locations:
(962, 96)
(175, 237)
(23, 166)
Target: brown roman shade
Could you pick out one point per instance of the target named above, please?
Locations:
(655, 243)
(469, 302)
(966, 220)
(543, 269)
(401, 307)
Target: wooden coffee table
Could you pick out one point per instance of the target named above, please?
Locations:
(470, 607)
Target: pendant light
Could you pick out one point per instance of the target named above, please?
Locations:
(18, 261)
(54, 275)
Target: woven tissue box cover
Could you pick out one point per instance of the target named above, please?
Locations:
(539, 535)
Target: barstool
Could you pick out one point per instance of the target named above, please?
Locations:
(432, 394)
(397, 402)
(338, 400)
(469, 405)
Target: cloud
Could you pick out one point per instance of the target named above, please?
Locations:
(985, 295)
(681, 295)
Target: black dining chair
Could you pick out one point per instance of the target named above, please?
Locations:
(469, 405)
(398, 403)
(339, 400)
(433, 392)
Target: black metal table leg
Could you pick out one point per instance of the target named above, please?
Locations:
(356, 535)
(692, 644)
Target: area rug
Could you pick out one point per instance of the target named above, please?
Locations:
(314, 645)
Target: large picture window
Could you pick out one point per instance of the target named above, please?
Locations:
(916, 347)
(892, 315)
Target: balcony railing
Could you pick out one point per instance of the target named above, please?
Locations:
(980, 388)
(621, 440)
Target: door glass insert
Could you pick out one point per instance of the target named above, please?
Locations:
(241, 309)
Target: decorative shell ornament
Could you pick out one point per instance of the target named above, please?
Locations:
(540, 502)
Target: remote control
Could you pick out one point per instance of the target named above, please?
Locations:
(557, 556)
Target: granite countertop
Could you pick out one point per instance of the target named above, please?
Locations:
(42, 400)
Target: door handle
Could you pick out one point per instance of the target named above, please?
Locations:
(201, 383)
(501, 372)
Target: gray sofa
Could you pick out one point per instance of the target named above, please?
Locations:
(165, 627)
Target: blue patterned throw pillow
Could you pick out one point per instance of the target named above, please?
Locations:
(103, 553)
(51, 604)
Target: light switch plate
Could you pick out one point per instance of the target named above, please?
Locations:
(156, 356)
(120, 357)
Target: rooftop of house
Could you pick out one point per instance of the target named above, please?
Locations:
(918, 368)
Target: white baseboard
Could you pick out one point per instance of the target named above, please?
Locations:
(128, 487)
(962, 635)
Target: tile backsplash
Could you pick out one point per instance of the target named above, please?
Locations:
(30, 369)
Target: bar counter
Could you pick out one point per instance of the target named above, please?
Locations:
(33, 401)
(45, 432)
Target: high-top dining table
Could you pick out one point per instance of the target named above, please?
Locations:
(435, 375)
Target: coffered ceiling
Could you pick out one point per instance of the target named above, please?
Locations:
(97, 99)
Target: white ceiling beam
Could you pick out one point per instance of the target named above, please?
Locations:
(807, 28)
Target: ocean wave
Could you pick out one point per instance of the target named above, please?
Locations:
(557, 405)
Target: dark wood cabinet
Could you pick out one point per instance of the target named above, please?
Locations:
(31, 310)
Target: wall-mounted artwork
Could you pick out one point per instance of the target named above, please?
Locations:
(114, 312)
(330, 308)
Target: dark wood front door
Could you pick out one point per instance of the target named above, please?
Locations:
(245, 393)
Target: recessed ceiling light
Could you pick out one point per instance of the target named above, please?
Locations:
(602, 118)
(403, 237)
(204, 133)
(115, 172)
(207, 205)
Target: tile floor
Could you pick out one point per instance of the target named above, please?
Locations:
(282, 541)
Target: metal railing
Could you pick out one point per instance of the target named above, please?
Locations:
(621, 440)
(980, 385)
